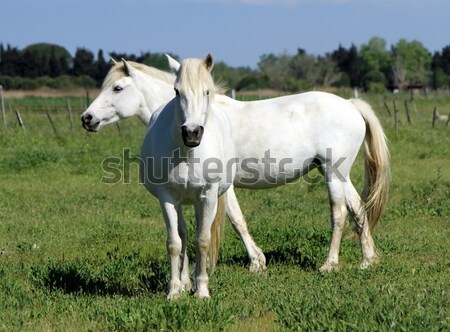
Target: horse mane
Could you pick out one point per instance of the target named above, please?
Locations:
(118, 71)
(193, 71)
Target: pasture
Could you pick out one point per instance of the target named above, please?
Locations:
(78, 254)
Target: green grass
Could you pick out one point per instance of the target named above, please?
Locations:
(80, 255)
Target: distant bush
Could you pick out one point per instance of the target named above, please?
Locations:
(7, 82)
(61, 83)
(376, 87)
(84, 81)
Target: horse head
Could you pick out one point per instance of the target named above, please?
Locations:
(194, 90)
(119, 98)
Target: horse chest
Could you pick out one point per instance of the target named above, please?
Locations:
(186, 182)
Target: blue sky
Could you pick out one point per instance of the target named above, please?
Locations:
(234, 31)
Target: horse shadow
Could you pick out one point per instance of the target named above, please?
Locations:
(281, 256)
(82, 278)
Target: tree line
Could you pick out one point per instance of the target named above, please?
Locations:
(373, 67)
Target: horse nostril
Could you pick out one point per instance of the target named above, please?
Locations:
(87, 118)
(198, 131)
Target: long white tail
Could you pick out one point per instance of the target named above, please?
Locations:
(377, 170)
(217, 231)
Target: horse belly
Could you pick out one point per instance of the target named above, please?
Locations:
(273, 172)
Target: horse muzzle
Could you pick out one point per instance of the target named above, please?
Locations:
(192, 137)
(89, 123)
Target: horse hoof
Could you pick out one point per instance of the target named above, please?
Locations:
(366, 263)
(186, 285)
(258, 265)
(173, 296)
(202, 294)
(329, 267)
(175, 290)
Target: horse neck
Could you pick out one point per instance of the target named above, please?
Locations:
(144, 115)
(156, 93)
(229, 105)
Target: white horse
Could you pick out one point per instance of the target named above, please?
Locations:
(173, 170)
(274, 142)
(133, 89)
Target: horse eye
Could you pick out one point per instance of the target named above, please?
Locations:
(207, 92)
(177, 93)
(118, 89)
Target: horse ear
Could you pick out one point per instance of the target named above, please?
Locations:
(113, 61)
(173, 64)
(128, 69)
(209, 62)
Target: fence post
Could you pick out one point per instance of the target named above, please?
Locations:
(387, 108)
(395, 116)
(414, 106)
(87, 98)
(2, 105)
(51, 122)
(407, 112)
(69, 109)
(19, 119)
(434, 117)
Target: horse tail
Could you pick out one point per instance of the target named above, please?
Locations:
(217, 231)
(376, 160)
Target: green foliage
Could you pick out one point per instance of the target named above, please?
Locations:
(376, 87)
(375, 57)
(404, 64)
(411, 63)
(440, 79)
(237, 78)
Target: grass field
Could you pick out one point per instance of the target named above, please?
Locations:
(80, 255)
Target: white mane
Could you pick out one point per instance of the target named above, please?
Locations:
(118, 71)
(193, 73)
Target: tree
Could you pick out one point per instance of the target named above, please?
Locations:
(44, 59)
(348, 63)
(54, 65)
(230, 76)
(375, 62)
(83, 62)
(440, 67)
(157, 60)
(411, 63)
(303, 66)
(101, 68)
(445, 60)
(11, 61)
(276, 68)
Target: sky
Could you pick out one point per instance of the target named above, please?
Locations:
(237, 32)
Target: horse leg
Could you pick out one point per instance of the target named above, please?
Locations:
(174, 244)
(368, 250)
(338, 215)
(205, 212)
(185, 279)
(257, 258)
